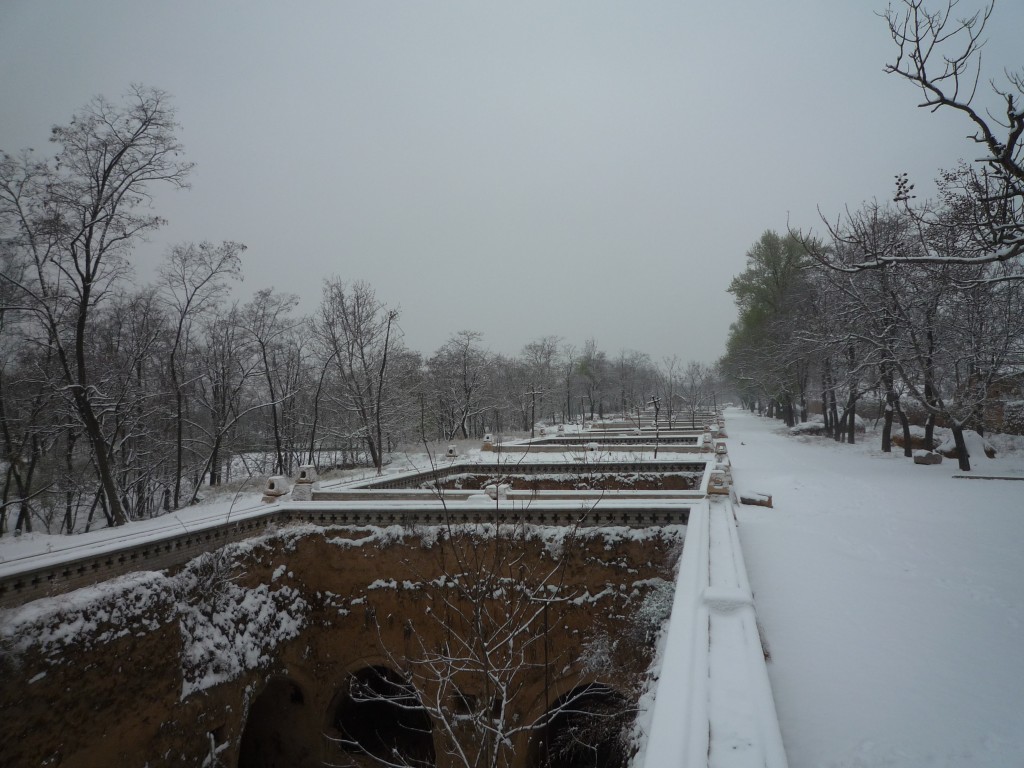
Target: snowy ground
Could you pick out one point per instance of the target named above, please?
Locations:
(890, 595)
(891, 598)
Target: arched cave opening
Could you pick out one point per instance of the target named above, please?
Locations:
(378, 713)
(278, 730)
(586, 729)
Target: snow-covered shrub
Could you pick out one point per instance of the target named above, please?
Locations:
(814, 427)
(599, 654)
(1013, 417)
(654, 610)
(977, 446)
(227, 629)
(89, 617)
(916, 437)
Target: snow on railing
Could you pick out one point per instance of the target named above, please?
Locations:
(714, 704)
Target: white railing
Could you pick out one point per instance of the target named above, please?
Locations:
(713, 705)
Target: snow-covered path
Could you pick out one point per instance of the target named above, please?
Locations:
(892, 599)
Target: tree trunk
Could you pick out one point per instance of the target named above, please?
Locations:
(99, 447)
(316, 413)
(833, 415)
(887, 429)
(381, 375)
(929, 431)
(179, 436)
(92, 509)
(908, 448)
(833, 407)
(83, 404)
(215, 463)
(891, 404)
(278, 448)
(3, 501)
(961, 447)
(929, 392)
(105, 507)
(979, 419)
(24, 522)
(824, 403)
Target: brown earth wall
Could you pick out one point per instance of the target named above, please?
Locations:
(111, 693)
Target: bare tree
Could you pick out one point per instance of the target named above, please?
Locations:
(541, 357)
(127, 337)
(458, 374)
(695, 389)
(940, 54)
(593, 372)
(862, 329)
(514, 396)
(267, 320)
(76, 219)
(942, 328)
(192, 280)
(636, 375)
(960, 344)
(359, 335)
(567, 367)
(228, 366)
(669, 372)
(31, 413)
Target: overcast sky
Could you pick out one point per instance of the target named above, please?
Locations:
(586, 169)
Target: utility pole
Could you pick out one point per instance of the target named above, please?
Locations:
(656, 402)
(533, 407)
(671, 395)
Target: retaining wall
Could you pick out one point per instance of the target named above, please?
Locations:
(54, 573)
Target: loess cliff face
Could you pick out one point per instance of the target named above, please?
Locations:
(246, 656)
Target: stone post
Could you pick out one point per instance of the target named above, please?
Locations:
(303, 490)
(276, 487)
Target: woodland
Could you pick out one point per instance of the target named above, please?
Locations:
(121, 400)
(916, 306)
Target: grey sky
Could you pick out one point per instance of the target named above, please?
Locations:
(530, 168)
